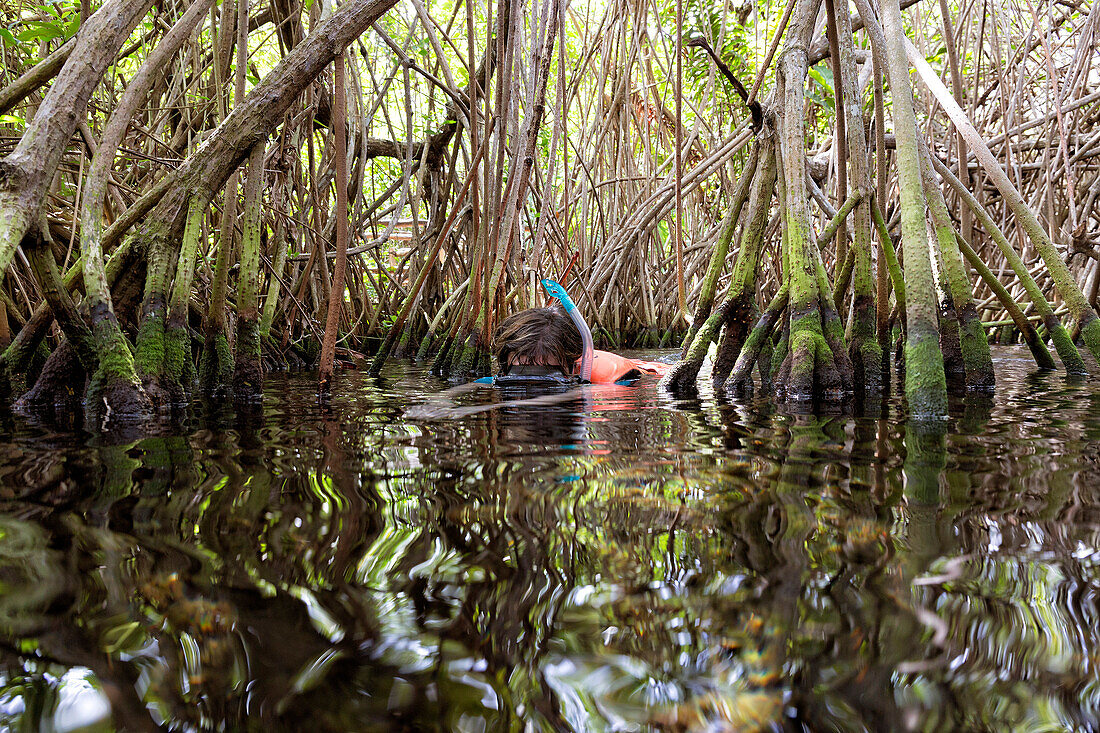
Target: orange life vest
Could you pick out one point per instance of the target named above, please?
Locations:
(608, 368)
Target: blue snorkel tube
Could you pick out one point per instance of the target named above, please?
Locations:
(554, 290)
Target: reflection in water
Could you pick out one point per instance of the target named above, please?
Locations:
(613, 561)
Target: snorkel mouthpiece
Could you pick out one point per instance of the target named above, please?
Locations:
(555, 290)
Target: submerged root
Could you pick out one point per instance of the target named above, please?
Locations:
(1090, 334)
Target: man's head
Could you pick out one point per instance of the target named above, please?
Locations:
(537, 337)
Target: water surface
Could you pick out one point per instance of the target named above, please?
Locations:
(619, 561)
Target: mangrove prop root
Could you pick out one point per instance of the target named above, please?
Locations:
(683, 374)
(757, 348)
(1036, 345)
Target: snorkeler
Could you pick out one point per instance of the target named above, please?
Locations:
(556, 343)
(546, 349)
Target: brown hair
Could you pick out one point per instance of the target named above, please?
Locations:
(543, 336)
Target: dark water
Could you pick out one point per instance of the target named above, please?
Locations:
(618, 562)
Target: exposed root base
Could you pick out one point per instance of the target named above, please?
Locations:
(867, 366)
(809, 372)
(813, 369)
(60, 384)
(116, 402)
(680, 379)
(216, 367)
(248, 381)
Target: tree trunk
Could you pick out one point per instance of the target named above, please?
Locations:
(115, 383)
(336, 293)
(810, 369)
(26, 174)
(863, 346)
(925, 381)
(248, 370)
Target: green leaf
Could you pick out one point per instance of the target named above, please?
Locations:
(12, 120)
(820, 79)
(40, 31)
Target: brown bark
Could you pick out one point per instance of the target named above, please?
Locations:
(35, 77)
(336, 293)
(25, 175)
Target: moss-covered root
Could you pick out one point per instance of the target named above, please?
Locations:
(472, 359)
(977, 360)
(832, 328)
(953, 367)
(1071, 358)
(764, 365)
(709, 288)
(779, 353)
(1090, 332)
(59, 385)
(967, 350)
(925, 381)
(430, 339)
(248, 372)
(1038, 348)
(809, 371)
(114, 392)
(1063, 344)
(149, 356)
(756, 346)
(404, 343)
(681, 377)
(179, 365)
(149, 346)
(216, 365)
(864, 349)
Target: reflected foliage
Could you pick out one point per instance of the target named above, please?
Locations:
(615, 562)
